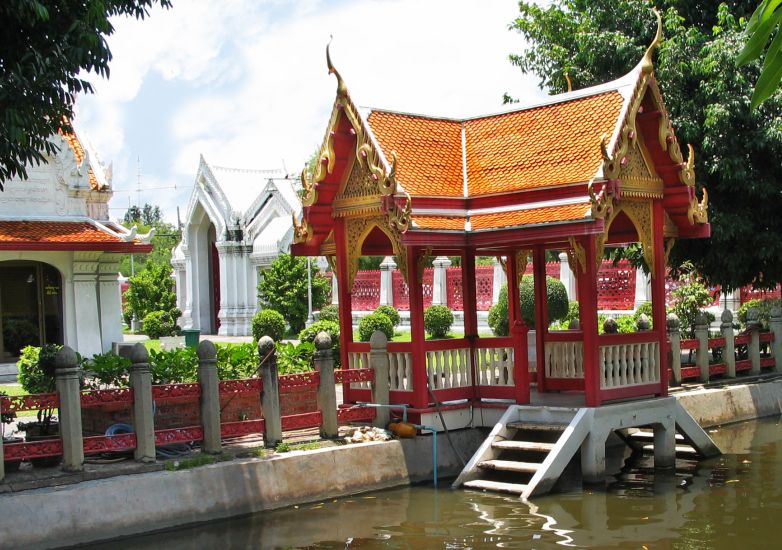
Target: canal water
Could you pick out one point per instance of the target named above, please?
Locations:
(734, 501)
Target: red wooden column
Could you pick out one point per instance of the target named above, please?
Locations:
(587, 310)
(541, 313)
(658, 291)
(518, 331)
(470, 307)
(417, 334)
(343, 296)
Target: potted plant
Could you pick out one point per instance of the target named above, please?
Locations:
(36, 374)
(7, 418)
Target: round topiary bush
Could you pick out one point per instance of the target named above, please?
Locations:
(268, 322)
(556, 299)
(373, 322)
(438, 320)
(391, 313)
(329, 313)
(309, 333)
(160, 323)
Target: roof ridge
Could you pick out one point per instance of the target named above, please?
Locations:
(248, 170)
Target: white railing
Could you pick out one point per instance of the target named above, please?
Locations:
(564, 359)
(624, 365)
(449, 368)
(494, 366)
(400, 369)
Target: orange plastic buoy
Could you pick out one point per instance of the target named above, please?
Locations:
(402, 429)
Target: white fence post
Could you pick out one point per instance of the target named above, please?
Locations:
(753, 325)
(702, 353)
(566, 277)
(675, 357)
(439, 290)
(729, 351)
(387, 281)
(775, 324)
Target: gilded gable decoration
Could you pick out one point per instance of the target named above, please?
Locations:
(576, 255)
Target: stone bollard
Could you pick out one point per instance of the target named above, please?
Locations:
(675, 353)
(270, 398)
(643, 324)
(378, 360)
(702, 353)
(327, 390)
(729, 351)
(753, 325)
(143, 408)
(775, 324)
(210, 396)
(67, 375)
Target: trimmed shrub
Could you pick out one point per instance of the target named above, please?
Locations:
(391, 313)
(161, 323)
(309, 333)
(764, 312)
(373, 322)
(329, 313)
(438, 320)
(294, 358)
(175, 366)
(645, 308)
(558, 306)
(268, 322)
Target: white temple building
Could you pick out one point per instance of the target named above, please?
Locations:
(237, 222)
(59, 255)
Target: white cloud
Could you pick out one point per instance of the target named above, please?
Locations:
(254, 87)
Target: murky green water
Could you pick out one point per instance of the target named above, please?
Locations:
(734, 501)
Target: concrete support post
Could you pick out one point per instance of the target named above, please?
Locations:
(775, 324)
(439, 287)
(143, 419)
(643, 288)
(67, 376)
(729, 351)
(753, 325)
(702, 353)
(675, 357)
(387, 268)
(498, 280)
(593, 457)
(210, 396)
(567, 277)
(270, 398)
(665, 444)
(378, 359)
(327, 390)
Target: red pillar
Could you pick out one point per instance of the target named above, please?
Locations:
(343, 296)
(417, 335)
(518, 331)
(541, 313)
(658, 291)
(470, 307)
(587, 307)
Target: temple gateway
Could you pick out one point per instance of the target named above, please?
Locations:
(585, 170)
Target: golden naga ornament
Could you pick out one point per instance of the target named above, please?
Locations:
(301, 230)
(697, 212)
(576, 255)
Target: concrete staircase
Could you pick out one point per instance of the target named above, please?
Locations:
(529, 448)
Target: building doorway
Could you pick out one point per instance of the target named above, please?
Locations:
(31, 310)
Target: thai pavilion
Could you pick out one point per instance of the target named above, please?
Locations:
(585, 170)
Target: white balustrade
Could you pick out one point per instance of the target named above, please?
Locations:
(400, 369)
(449, 368)
(494, 366)
(623, 365)
(564, 359)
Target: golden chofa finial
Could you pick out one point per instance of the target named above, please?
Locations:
(646, 64)
(342, 90)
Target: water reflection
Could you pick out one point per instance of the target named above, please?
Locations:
(733, 501)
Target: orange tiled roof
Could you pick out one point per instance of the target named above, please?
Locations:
(53, 232)
(530, 148)
(439, 222)
(78, 151)
(545, 214)
(429, 152)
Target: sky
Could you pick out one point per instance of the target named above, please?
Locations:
(244, 82)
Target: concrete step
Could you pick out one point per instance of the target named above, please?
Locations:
(536, 426)
(680, 449)
(509, 445)
(486, 485)
(649, 436)
(510, 466)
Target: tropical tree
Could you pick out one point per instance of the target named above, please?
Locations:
(766, 20)
(283, 287)
(152, 290)
(708, 98)
(46, 48)
(163, 241)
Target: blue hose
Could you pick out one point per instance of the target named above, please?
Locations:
(163, 451)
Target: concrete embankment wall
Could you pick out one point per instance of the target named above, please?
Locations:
(127, 505)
